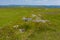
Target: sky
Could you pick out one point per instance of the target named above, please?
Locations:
(29, 2)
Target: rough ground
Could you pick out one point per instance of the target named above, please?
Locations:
(14, 27)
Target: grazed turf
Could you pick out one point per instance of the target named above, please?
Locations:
(34, 31)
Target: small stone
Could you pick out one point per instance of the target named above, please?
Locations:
(16, 26)
(33, 15)
(22, 30)
(43, 21)
(27, 19)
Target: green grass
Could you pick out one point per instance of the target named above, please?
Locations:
(33, 31)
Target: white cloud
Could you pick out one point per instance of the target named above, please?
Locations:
(43, 2)
(31, 2)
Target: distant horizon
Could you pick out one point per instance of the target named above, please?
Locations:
(33, 6)
(29, 5)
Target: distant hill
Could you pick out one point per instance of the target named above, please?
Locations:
(43, 6)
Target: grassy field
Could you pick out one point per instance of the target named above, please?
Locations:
(13, 27)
